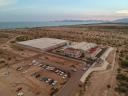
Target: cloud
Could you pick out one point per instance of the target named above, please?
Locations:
(122, 12)
(6, 2)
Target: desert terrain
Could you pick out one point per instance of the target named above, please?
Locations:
(111, 82)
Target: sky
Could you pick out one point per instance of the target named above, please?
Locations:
(50, 10)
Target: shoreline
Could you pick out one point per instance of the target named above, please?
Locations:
(27, 25)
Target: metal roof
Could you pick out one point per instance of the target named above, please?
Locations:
(43, 43)
(83, 45)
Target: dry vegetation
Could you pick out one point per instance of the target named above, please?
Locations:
(106, 34)
(114, 35)
(122, 75)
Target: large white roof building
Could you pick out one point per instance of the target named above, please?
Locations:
(44, 43)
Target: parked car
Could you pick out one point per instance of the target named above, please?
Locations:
(50, 82)
(19, 68)
(84, 69)
(43, 66)
(57, 71)
(33, 61)
(47, 81)
(65, 76)
(41, 79)
(34, 74)
(40, 65)
(73, 69)
(37, 75)
(20, 94)
(51, 68)
(54, 83)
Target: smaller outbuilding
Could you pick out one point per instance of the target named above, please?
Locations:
(74, 53)
(83, 46)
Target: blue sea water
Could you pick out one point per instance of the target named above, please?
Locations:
(5, 25)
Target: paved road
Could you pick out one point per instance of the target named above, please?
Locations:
(72, 86)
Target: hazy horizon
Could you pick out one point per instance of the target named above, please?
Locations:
(50, 10)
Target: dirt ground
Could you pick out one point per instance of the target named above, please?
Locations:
(19, 51)
(10, 79)
(59, 60)
(29, 69)
(109, 59)
(15, 79)
(97, 85)
(10, 83)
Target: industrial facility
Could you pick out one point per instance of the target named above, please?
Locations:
(62, 62)
(77, 50)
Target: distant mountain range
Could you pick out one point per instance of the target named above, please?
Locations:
(122, 20)
(82, 21)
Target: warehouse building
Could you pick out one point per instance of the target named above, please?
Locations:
(83, 46)
(44, 44)
(77, 50)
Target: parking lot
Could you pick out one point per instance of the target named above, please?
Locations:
(50, 73)
(43, 74)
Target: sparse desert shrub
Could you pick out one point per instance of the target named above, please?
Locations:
(9, 58)
(122, 77)
(126, 57)
(3, 35)
(108, 86)
(23, 38)
(124, 63)
(12, 42)
(2, 61)
(122, 87)
(54, 91)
